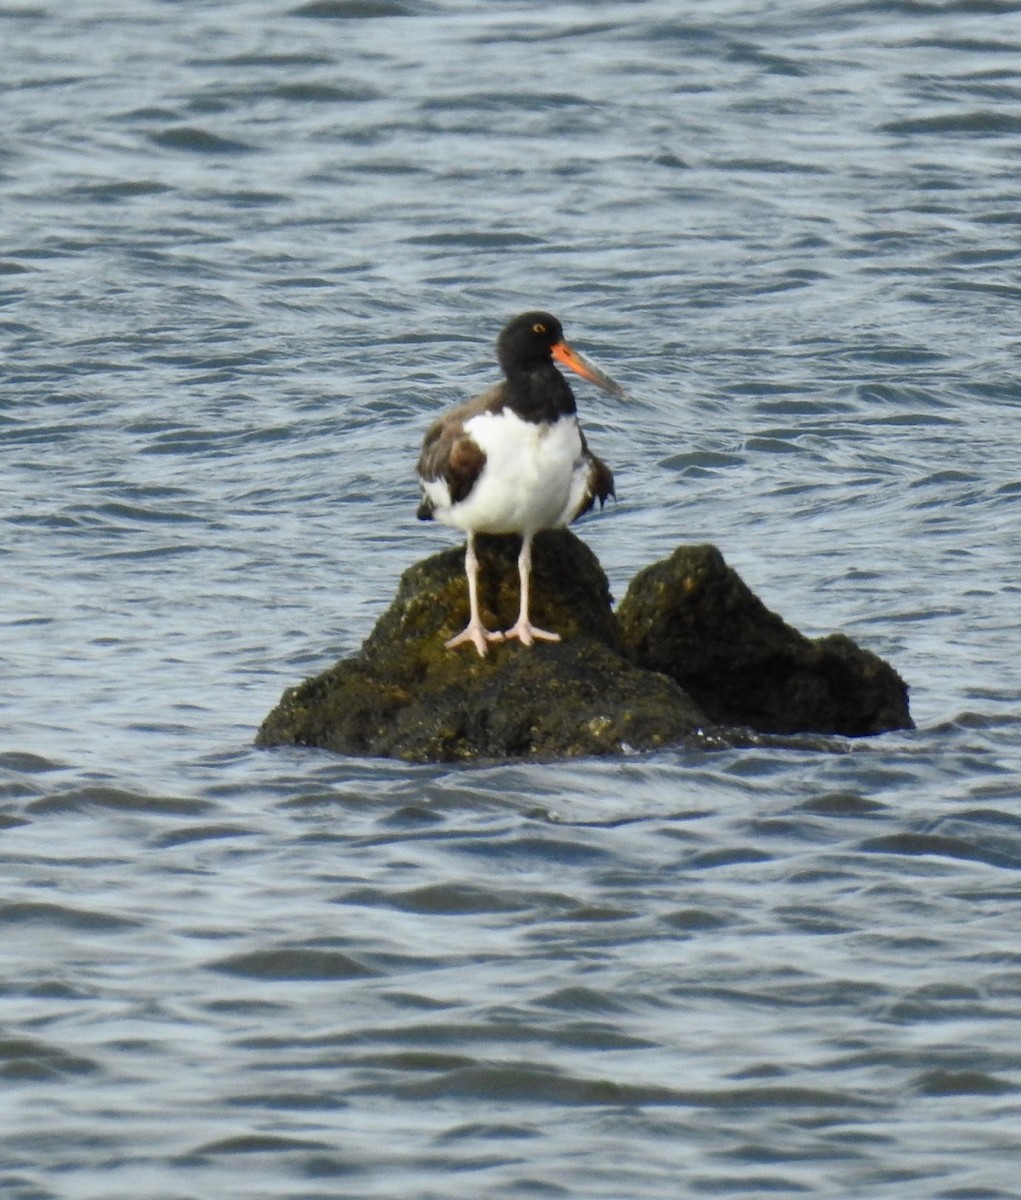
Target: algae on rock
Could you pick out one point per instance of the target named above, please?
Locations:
(693, 618)
(405, 696)
(690, 651)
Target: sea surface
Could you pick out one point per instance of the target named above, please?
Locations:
(248, 248)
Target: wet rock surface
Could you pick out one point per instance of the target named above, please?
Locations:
(406, 696)
(691, 651)
(693, 618)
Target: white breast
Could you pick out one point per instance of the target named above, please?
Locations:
(526, 484)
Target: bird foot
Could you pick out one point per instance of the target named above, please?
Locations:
(476, 633)
(527, 633)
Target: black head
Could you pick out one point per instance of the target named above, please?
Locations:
(527, 341)
(533, 340)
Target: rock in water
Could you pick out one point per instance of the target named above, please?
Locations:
(691, 650)
(405, 696)
(692, 618)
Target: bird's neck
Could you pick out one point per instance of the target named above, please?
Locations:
(539, 394)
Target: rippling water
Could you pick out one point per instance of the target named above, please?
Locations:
(246, 251)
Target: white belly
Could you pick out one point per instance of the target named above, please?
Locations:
(526, 484)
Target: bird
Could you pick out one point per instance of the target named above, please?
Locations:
(515, 460)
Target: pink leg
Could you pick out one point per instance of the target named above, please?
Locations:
(474, 632)
(523, 629)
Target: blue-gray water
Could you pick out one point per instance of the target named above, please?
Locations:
(248, 249)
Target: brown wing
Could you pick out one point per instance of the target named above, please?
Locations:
(599, 485)
(450, 454)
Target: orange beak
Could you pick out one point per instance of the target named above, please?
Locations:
(570, 357)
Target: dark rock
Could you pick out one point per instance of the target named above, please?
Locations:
(405, 696)
(691, 650)
(570, 594)
(692, 618)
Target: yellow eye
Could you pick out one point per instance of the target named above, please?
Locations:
(538, 327)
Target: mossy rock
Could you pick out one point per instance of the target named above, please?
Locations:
(691, 617)
(690, 651)
(406, 696)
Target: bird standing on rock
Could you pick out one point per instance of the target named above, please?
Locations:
(514, 460)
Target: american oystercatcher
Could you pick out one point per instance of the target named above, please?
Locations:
(514, 460)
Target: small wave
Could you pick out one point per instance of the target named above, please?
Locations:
(962, 1083)
(198, 141)
(115, 800)
(981, 124)
(27, 764)
(256, 1143)
(24, 1060)
(356, 10)
(60, 916)
(289, 963)
(921, 844)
